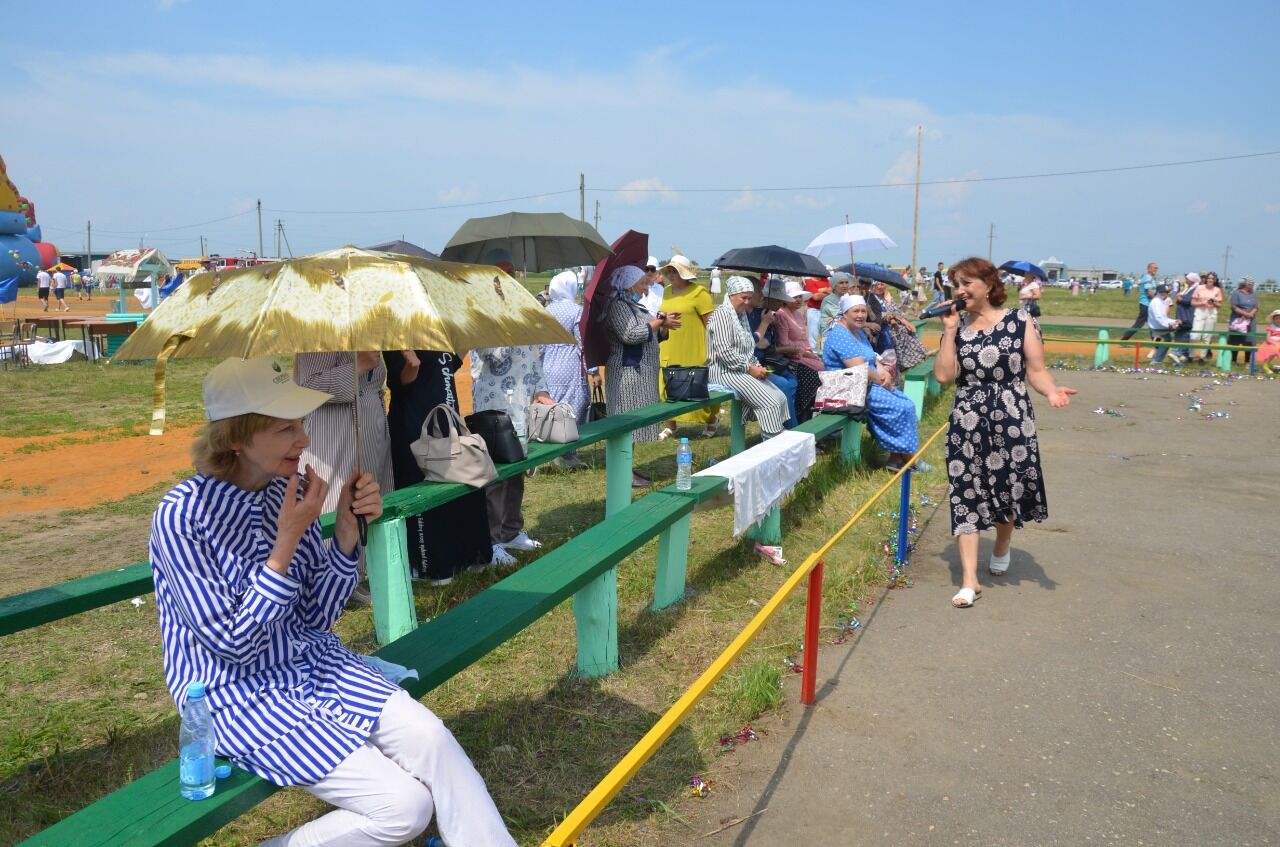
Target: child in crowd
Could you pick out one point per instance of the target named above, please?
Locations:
(1269, 350)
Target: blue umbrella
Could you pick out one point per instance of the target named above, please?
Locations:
(1025, 268)
(877, 273)
(9, 290)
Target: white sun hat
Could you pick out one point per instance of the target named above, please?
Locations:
(240, 386)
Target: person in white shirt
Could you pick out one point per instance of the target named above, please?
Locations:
(43, 281)
(1160, 324)
(60, 291)
(652, 301)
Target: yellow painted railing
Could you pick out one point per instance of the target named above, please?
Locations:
(595, 802)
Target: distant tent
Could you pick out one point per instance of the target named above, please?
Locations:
(404, 248)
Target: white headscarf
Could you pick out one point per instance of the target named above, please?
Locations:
(738, 285)
(848, 301)
(564, 286)
(625, 277)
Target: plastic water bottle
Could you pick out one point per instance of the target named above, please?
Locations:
(684, 466)
(195, 745)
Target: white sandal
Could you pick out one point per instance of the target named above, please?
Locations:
(999, 565)
(967, 597)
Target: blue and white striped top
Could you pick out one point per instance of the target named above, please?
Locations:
(289, 701)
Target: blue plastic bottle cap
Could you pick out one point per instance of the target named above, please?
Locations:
(222, 771)
(195, 689)
(684, 441)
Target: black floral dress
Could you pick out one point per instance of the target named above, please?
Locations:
(993, 459)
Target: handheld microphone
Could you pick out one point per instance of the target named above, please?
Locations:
(942, 308)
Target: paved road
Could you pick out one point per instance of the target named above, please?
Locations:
(1119, 686)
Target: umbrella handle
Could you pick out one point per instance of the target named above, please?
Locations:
(362, 524)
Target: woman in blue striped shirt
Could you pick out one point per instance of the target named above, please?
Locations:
(247, 591)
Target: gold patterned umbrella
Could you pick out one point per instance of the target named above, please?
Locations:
(347, 299)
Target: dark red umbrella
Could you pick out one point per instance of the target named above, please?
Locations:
(631, 248)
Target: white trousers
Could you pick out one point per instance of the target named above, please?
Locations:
(1205, 321)
(387, 790)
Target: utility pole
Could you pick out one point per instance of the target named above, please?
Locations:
(991, 236)
(88, 246)
(285, 236)
(915, 220)
(582, 197)
(259, 227)
(203, 248)
(278, 228)
(597, 215)
(1226, 257)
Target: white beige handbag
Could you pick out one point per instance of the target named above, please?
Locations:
(842, 389)
(448, 452)
(554, 424)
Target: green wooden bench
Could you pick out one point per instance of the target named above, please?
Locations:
(387, 555)
(150, 810)
(919, 383)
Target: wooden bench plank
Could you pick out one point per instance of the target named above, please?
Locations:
(150, 810)
(33, 608)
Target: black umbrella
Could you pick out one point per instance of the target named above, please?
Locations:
(879, 273)
(536, 241)
(772, 260)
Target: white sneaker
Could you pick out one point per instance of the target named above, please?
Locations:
(501, 558)
(521, 542)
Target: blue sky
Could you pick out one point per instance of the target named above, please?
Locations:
(149, 117)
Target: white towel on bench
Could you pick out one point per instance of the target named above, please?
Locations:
(761, 477)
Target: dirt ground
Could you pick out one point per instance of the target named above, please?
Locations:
(1117, 685)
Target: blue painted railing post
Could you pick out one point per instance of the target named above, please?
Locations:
(595, 606)
(390, 590)
(1102, 351)
(904, 516)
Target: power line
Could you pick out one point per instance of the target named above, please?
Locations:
(422, 208)
(174, 228)
(957, 181)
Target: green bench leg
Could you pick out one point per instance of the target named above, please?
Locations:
(618, 468)
(914, 389)
(1101, 352)
(1224, 356)
(851, 442)
(932, 388)
(769, 530)
(673, 560)
(595, 607)
(595, 611)
(389, 587)
(737, 432)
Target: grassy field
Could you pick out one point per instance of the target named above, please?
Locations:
(86, 710)
(1058, 303)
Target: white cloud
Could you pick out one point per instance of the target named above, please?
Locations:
(1271, 208)
(457, 194)
(746, 200)
(639, 191)
(1198, 207)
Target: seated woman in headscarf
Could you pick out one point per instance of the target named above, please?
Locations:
(911, 351)
(631, 370)
(731, 359)
(562, 363)
(793, 342)
(248, 591)
(760, 320)
(891, 416)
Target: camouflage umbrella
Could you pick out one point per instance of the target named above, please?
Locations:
(347, 299)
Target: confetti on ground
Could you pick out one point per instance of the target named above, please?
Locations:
(742, 736)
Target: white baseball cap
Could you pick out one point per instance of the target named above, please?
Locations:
(240, 386)
(795, 290)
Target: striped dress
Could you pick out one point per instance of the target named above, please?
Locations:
(331, 427)
(289, 701)
(628, 385)
(730, 351)
(562, 363)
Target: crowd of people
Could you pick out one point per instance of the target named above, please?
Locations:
(248, 590)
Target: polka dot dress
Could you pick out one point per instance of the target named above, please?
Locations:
(993, 459)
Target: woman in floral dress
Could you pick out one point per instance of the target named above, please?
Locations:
(993, 458)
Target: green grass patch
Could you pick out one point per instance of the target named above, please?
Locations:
(84, 396)
(86, 709)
